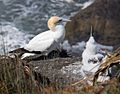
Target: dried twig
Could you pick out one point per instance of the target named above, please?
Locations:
(110, 61)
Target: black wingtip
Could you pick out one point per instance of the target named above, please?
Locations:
(19, 50)
(22, 51)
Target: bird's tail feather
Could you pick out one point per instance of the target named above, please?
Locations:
(21, 51)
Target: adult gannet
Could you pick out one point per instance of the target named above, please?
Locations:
(49, 40)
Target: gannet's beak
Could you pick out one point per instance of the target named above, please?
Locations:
(65, 20)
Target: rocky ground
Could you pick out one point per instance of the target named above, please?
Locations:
(62, 72)
(54, 71)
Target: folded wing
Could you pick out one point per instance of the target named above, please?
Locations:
(41, 42)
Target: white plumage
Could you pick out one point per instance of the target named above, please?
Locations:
(49, 40)
(90, 57)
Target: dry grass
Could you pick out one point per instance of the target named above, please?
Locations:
(13, 79)
(16, 78)
(111, 60)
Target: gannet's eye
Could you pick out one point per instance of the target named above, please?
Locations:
(59, 20)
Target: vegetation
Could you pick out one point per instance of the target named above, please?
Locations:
(16, 78)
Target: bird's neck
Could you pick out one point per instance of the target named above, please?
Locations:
(58, 28)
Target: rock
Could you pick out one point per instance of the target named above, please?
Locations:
(57, 70)
(103, 16)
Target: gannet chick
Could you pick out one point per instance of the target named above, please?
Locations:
(90, 57)
(49, 40)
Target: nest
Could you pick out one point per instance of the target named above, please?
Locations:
(111, 60)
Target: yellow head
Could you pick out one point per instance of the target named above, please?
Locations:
(53, 21)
